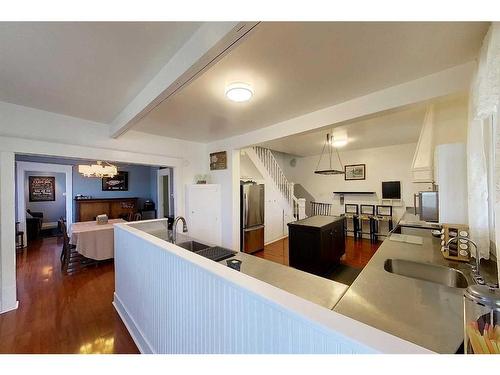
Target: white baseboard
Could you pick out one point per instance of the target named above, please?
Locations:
(276, 240)
(12, 308)
(139, 339)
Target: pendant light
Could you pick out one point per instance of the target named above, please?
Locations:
(98, 170)
(329, 144)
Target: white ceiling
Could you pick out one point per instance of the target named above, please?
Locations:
(296, 68)
(391, 128)
(90, 70)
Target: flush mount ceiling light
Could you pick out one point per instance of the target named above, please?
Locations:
(239, 92)
(338, 142)
(329, 147)
(98, 170)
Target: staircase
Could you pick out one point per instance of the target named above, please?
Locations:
(263, 158)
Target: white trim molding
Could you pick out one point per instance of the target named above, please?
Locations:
(8, 291)
(159, 198)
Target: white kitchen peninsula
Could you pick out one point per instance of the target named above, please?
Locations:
(176, 301)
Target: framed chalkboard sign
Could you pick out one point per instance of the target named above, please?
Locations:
(218, 160)
(42, 188)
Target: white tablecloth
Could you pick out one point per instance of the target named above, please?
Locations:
(94, 241)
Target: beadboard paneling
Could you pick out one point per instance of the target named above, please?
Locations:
(174, 301)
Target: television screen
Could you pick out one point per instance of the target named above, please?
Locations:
(391, 190)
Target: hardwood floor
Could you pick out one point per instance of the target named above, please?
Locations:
(73, 314)
(357, 253)
(59, 313)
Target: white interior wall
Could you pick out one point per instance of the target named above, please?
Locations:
(450, 120)
(248, 169)
(274, 204)
(30, 131)
(391, 163)
(450, 81)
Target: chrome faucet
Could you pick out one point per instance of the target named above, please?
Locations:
(475, 268)
(174, 227)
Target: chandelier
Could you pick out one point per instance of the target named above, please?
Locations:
(98, 170)
(329, 145)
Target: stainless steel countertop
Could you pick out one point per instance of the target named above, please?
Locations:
(323, 292)
(412, 220)
(422, 312)
(318, 290)
(317, 221)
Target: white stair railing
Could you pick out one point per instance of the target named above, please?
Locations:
(284, 186)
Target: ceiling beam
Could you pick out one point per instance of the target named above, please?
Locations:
(207, 45)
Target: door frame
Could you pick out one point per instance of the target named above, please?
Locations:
(21, 168)
(159, 180)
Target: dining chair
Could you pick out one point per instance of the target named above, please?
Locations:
(322, 209)
(71, 260)
(19, 237)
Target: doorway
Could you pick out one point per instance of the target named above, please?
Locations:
(63, 176)
(165, 193)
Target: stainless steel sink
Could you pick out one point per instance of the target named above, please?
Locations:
(193, 245)
(428, 272)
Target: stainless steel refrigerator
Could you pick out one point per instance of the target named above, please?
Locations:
(252, 217)
(427, 206)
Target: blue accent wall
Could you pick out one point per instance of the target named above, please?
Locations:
(141, 179)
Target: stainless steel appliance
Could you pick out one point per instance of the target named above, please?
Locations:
(252, 217)
(427, 206)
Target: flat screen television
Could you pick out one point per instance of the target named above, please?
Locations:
(391, 189)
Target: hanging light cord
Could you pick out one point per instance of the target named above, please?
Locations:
(322, 151)
(330, 153)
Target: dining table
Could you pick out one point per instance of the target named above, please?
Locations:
(94, 241)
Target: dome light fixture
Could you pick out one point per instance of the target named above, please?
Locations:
(339, 142)
(239, 92)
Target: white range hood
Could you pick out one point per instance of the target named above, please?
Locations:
(423, 160)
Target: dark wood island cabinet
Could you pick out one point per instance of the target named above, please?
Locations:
(316, 243)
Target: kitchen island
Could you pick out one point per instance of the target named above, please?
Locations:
(316, 243)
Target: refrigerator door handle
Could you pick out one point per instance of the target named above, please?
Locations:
(245, 210)
(415, 202)
(253, 228)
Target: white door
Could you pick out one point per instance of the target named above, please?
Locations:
(204, 213)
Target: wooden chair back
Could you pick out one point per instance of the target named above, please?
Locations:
(367, 209)
(384, 210)
(64, 231)
(351, 208)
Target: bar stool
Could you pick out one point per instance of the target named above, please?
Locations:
(351, 212)
(367, 214)
(383, 214)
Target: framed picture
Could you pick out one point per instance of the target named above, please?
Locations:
(117, 183)
(218, 160)
(355, 172)
(42, 188)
